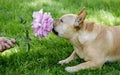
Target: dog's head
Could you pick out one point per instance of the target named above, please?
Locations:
(69, 24)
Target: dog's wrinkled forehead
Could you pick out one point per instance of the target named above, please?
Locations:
(68, 18)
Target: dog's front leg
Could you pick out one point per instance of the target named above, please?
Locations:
(89, 64)
(67, 60)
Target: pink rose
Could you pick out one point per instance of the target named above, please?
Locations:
(42, 23)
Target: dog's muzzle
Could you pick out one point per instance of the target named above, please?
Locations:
(55, 32)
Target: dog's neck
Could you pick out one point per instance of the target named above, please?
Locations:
(74, 40)
(86, 27)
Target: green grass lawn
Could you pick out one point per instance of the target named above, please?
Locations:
(43, 56)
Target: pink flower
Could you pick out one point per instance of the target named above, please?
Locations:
(42, 23)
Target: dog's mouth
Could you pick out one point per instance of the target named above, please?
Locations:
(55, 32)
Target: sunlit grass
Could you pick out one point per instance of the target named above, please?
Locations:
(103, 17)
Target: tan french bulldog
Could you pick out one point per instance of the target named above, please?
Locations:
(94, 43)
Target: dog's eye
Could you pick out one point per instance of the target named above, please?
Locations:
(61, 20)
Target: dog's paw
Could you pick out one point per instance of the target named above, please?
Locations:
(62, 62)
(71, 69)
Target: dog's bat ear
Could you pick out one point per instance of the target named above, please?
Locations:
(80, 17)
(82, 10)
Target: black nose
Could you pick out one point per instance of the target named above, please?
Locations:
(55, 32)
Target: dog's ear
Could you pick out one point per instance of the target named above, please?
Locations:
(80, 17)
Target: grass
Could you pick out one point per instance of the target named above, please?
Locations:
(43, 56)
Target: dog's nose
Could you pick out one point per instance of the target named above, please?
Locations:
(55, 22)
